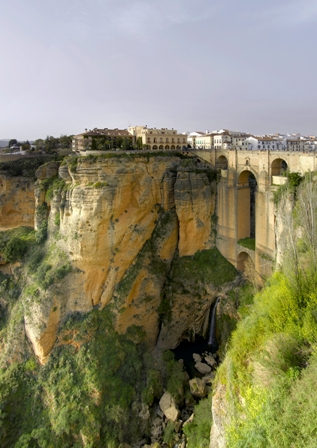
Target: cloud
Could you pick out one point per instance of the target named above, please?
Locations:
(136, 18)
(139, 17)
(294, 13)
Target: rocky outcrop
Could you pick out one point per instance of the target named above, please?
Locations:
(169, 407)
(122, 222)
(219, 412)
(17, 203)
(125, 225)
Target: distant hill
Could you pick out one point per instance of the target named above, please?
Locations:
(4, 143)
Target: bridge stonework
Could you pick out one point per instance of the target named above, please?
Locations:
(234, 200)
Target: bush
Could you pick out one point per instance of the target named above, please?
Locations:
(14, 250)
(14, 243)
(204, 266)
(154, 387)
(198, 431)
(249, 243)
(169, 434)
(41, 234)
(177, 379)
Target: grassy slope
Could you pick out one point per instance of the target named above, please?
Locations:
(270, 369)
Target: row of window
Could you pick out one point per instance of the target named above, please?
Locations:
(167, 140)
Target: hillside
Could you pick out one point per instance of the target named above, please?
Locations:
(121, 266)
(264, 394)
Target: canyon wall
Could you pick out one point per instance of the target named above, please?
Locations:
(124, 229)
(17, 206)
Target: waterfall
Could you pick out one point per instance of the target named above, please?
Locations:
(212, 340)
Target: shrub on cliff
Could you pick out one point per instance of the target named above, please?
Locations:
(14, 243)
(91, 385)
(270, 368)
(14, 250)
(198, 431)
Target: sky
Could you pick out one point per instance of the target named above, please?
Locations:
(191, 65)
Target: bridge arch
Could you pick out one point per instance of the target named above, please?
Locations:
(222, 163)
(246, 189)
(242, 260)
(278, 166)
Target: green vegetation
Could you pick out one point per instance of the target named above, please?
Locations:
(130, 155)
(249, 243)
(177, 379)
(57, 219)
(205, 266)
(90, 386)
(53, 144)
(271, 365)
(291, 185)
(50, 185)
(14, 243)
(198, 431)
(100, 184)
(147, 258)
(23, 167)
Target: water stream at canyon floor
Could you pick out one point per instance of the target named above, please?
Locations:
(200, 345)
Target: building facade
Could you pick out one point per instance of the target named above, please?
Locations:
(102, 139)
(158, 139)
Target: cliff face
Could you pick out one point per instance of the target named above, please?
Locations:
(17, 203)
(123, 224)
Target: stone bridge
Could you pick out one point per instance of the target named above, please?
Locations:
(245, 206)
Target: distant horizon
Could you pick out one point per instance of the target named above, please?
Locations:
(159, 127)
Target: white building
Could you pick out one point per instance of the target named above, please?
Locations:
(262, 143)
(159, 139)
(192, 138)
(221, 139)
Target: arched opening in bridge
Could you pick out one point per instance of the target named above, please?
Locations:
(246, 205)
(222, 163)
(243, 260)
(278, 167)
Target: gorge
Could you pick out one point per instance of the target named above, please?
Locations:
(122, 266)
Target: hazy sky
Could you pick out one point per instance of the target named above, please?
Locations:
(67, 65)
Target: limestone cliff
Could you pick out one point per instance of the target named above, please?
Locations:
(123, 229)
(17, 204)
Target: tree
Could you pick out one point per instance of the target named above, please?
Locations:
(299, 216)
(50, 144)
(127, 144)
(118, 142)
(12, 142)
(65, 141)
(39, 144)
(139, 143)
(26, 146)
